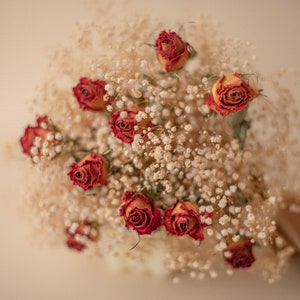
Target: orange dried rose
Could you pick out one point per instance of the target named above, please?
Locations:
(171, 50)
(41, 141)
(183, 218)
(231, 94)
(139, 212)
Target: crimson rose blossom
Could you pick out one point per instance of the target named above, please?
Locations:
(231, 94)
(171, 50)
(90, 94)
(239, 254)
(139, 213)
(183, 218)
(90, 172)
(34, 136)
(125, 126)
(79, 232)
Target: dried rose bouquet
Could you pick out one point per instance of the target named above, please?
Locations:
(146, 150)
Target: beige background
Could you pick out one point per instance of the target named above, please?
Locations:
(28, 28)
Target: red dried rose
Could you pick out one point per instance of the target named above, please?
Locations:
(171, 50)
(33, 133)
(91, 94)
(183, 218)
(231, 94)
(80, 232)
(126, 123)
(239, 254)
(90, 172)
(139, 213)
(41, 140)
(73, 243)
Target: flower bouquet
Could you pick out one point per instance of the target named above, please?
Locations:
(159, 150)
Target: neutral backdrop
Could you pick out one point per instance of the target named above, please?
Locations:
(28, 29)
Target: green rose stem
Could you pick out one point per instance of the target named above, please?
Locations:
(172, 74)
(136, 244)
(240, 126)
(150, 45)
(107, 156)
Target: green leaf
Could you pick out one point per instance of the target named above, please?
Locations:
(95, 224)
(150, 79)
(239, 125)
(243, 133)
(175, 74)
(240, 132)
(237, 118)
(257, 244)
(162, 73)
(240, 201)
(192, 51)
(90, 193)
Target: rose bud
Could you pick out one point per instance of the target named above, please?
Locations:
(90, 172)
(91, 95)
(239, 254)
(73, 243)
(139, 213)
(81, 232)
(183, 218)
(172, 51)
(41, 141)
(231, 94)
(126, 123)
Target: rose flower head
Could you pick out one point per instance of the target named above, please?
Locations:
(126, 123)
(90, 172)
(231, 94)
(41, 141)
(80, 232)
(139, 213)
(91, 95)
(183, 218)
(239, 254)
(171, 50)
